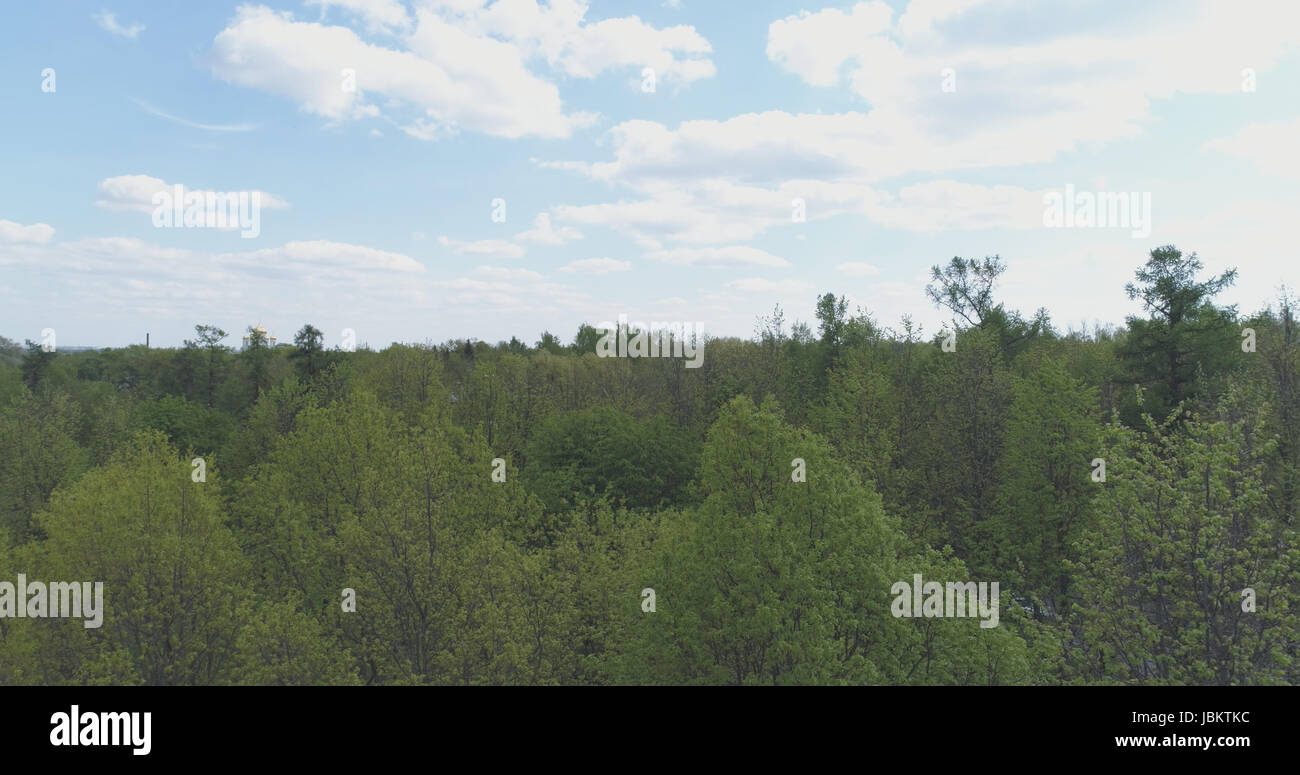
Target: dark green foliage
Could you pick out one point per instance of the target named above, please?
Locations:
(36, 364)
(309, 350)
(604, 452)
(187, 424)
(1186, 340)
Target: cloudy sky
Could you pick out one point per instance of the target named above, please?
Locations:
(435, 169)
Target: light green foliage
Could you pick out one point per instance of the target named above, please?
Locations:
(1182, 531)
(279, 645)
(372, 471)
(772, 581)
(174, 580)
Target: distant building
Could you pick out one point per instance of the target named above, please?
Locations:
(266, 337)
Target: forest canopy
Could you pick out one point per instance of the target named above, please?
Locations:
(470, 513)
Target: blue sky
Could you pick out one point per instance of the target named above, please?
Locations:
(669, 205)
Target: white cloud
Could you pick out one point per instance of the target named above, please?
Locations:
(16, 232)
(1023, 102)
(135, 193)
(815, 45)
(298, 279)
(922, 15)
(448, 79)
(457, 64)
(317, 255)
(774, 147)
(511, 289)
(89, 283)
(945, 205)
(596, 266)
(379, 15)
(559, 33)
(108, 21)
(857, 269)
(496, 248)
(215, 209)
(629, 42)
(1269, 146)
(1026, 100)
(543, 233)
(731, 255)
(715, 211)
(1016, 101)
(714, 182)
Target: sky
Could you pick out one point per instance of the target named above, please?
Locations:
(428, 170)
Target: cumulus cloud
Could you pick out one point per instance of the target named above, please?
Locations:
(135, 193)
(559, 33)
(1026, 100)
(447, 79)
(454, 65)
(815, 45)
(15, 232)
(543, 233)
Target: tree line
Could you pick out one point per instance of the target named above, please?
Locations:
(970, 454)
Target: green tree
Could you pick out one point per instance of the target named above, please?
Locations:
(860, 416)
(214, 353)
(282, 646)
(256, 358)
(550, 343)
(831, 319)
(771, 581)
(174, 580)
(309, 349)
(965, 287)
(1181, 535)
(438, 558)
(1185, 333)
(187, 424)
(608, 453)
(11, 353)
(586, 339)
(36, 364)
(1046, 488)
(38, 453)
